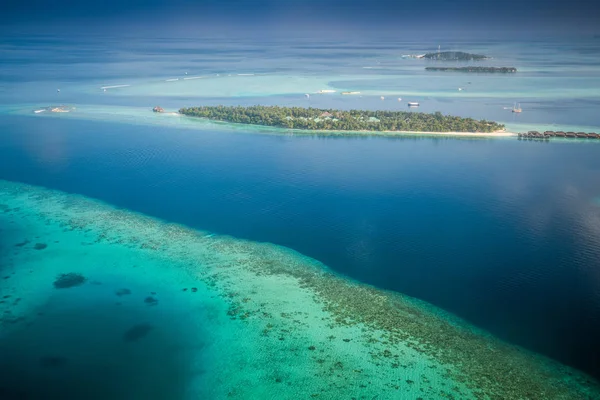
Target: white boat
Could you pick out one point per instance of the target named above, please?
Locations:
(413, 104)
(326, 91)
(517, 108)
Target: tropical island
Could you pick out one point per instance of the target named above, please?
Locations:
(502, 70)
(55, 109)
(339, 120)
(454, 56)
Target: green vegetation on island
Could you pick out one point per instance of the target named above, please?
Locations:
(353, 120)
(454, 56)
(503, 70)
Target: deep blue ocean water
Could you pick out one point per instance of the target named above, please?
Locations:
(503, 233)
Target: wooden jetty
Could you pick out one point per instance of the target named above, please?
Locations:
(551, 134)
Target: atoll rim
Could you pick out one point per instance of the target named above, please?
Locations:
(260, 313)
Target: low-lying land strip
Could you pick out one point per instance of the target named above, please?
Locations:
(338, 120)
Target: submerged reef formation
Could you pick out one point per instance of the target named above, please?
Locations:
(137, 332)
(304, 331)
(122, 292)
(64, 281)
(53, 361)
(353, 120)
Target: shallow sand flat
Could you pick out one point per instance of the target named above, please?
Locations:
(224, 85)
(272, 84)
(264, 322)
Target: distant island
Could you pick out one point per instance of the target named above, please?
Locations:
(454, 56)
(55, 109)
(338, 120)
(502, 70)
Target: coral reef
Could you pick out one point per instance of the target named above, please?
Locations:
(137, 332)
(53, 361)
(64, 281)
(122, 292)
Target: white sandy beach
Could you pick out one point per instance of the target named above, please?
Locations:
(473, 134)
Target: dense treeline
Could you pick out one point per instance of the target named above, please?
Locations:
(454, 56)
(503, 70)
(353, 120)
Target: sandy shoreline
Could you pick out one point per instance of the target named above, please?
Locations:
(502, 133)
(478, 134)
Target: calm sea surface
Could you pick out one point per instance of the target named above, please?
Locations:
(503, 233)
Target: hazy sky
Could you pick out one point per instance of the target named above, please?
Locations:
(561, 16)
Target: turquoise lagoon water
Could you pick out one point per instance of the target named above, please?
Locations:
(498, 232)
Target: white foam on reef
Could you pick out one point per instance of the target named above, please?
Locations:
(274, 324)
(237, 85)
(370, 81)
(114, 86)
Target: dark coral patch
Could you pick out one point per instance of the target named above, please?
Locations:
(122, 292)
(137, 332)
(151, 301)
(53, 361)
(71, 279)
(40, 246)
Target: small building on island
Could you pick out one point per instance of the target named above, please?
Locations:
(158, 109)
